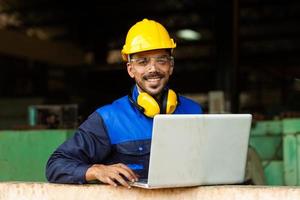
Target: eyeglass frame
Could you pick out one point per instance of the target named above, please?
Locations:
(169, 59)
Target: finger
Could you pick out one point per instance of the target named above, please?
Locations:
(133, 177)
(111, 182)
(121, 180)
(125, 173)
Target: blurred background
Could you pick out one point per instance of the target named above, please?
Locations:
(60, 60)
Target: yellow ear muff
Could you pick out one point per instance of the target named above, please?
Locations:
(171, 102)
(151, 107)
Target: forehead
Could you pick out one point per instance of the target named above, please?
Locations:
(157, 52)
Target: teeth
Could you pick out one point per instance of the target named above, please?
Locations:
(153, 79)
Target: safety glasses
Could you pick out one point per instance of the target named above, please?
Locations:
(159, 60)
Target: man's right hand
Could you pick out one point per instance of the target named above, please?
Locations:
(111, 174)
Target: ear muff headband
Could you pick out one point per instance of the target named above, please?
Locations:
(140, 108)
(150, 107)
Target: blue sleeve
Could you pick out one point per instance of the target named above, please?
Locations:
(89, 145)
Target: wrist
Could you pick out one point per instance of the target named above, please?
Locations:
(91, 172)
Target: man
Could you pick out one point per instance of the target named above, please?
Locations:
(113, 145)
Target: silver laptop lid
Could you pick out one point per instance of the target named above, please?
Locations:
(189, 150)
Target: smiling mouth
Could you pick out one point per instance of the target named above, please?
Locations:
(154, 79)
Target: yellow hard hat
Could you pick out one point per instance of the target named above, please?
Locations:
(146, 35)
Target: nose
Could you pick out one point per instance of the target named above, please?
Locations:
(152, 65)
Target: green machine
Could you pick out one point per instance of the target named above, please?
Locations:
(24, 154)
(277, 143)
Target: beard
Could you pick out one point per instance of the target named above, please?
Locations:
(153, 83)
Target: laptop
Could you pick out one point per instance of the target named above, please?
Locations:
(192, 150)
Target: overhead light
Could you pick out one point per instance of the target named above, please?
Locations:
(188, 34)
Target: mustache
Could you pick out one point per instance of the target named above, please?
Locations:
(154, 75)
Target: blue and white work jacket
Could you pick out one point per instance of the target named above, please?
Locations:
(115, 133)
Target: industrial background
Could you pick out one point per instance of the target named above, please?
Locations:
(60, 60)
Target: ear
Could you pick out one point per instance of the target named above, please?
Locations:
(130, 70)
(171, 68)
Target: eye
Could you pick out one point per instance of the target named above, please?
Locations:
(162, 60)
(141, 61)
